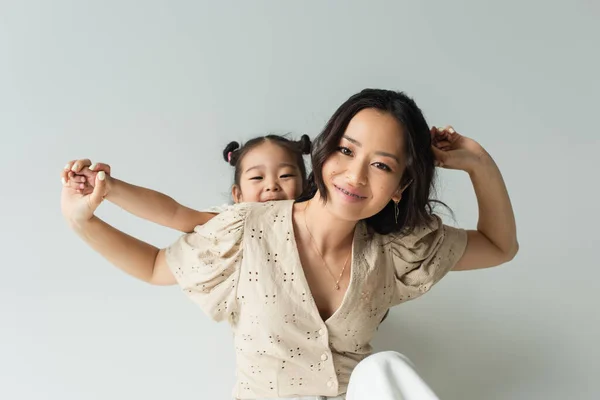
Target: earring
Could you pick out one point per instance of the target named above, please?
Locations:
(396, 211)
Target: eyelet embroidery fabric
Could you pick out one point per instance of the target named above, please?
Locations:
(243, 266)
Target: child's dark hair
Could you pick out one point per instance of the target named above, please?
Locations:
(415, 207)
(234, 153)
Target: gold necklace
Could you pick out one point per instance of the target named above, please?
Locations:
(314, 243)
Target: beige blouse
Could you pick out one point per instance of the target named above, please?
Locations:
(243, 266)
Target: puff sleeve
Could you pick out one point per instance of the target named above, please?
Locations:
(421, 258)
(207, 261)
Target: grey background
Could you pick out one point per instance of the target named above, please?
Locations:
(157, 88)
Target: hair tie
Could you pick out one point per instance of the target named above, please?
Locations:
(229, 157)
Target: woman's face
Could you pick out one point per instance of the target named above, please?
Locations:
(364, 174)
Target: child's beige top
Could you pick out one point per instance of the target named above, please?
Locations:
(243, 266)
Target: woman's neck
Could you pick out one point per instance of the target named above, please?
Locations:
(330, 233)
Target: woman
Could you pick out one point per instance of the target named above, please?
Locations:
(305, 284)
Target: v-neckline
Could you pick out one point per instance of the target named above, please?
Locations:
(298, 265)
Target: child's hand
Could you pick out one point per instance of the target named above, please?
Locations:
(78, 207)
(80, 176)
(454, 151)
(82, 182)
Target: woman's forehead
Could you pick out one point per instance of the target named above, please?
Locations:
(376, 131)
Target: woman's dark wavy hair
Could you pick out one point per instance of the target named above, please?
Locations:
(234, 154)
(415, 207)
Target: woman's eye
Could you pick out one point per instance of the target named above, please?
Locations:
(382, 166)
(345, 151)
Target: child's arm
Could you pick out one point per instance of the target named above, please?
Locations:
(139, 201)
(495, 240)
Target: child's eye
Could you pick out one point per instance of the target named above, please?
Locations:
(256, 178)
(345, 151)
(382, 166)
(287, 176)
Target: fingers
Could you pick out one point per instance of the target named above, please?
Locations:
(64, 174)
(441, 142)
(439, 138)
(97, 167)
(97, 195)
(88, 175)
(78, 165)
(444, 138)
(81, 187)
(76, 178)
(438, 134)
(69, 165)
(81, 175)
(440, 156)
(445, 131)
(449, 129)
(450, 134)
(76, 182)
(443, 145)
(64, 178)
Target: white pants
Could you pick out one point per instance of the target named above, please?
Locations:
(382, 376)
(387, 376)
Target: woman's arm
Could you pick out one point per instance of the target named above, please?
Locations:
(127, 253)
(135, 257)
(495, 240)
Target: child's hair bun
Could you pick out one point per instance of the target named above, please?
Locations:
(305, 144)
(229, 153)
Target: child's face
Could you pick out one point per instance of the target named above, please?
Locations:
(364, 174)
(269, 172)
